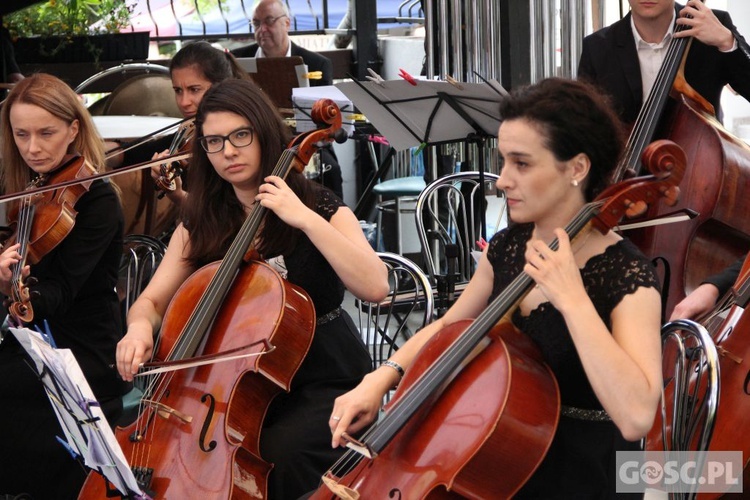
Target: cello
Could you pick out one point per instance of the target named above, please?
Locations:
(441, 435)
(199, 430)
(716, 181)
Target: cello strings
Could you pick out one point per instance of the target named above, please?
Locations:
(450, 360)
(201, 317)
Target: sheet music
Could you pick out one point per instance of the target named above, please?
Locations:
(86, 429)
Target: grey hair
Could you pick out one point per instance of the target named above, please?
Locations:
(282, 3)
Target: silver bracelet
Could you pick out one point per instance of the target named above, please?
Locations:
(395, 366)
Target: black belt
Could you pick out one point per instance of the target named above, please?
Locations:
(322, 320)
(585, 414)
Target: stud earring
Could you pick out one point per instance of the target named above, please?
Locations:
(574, 182)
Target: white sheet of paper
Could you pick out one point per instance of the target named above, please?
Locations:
(74, 404)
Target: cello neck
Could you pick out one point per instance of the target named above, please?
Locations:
(648, 118)
(208, 306)
(464, 348)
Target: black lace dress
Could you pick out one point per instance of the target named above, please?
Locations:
(581, 460)
(295, 436)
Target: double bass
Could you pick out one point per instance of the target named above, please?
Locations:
(715, 186)
(238, 333)
(441, 435)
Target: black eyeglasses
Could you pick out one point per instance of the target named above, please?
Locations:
(267, 22)
(240, 138)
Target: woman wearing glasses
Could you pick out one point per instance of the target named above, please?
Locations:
(308, 235)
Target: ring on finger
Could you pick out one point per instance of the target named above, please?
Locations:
(336, 418)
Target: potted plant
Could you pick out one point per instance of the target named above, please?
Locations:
(76, 31)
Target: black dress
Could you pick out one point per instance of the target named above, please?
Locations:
(295, 435)
(77, 298)
(581, 460)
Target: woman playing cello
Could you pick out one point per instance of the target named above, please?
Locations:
(308, 235)
(44, 125)
(595, 310)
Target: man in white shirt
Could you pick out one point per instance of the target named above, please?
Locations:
(624, 58)
(271, 23)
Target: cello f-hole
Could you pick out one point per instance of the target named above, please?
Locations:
(207, 423)
(746, 385)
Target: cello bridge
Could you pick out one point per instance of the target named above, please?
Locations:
(166, 412)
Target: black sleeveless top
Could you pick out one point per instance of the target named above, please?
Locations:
(581, 459)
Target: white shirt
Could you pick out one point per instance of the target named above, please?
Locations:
(651, 55)
(288, 51)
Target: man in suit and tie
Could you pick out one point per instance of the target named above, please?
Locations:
(624, 58)
(271, 24)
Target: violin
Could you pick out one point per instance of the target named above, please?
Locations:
(182, 142)
(42, 221)
(441, 435)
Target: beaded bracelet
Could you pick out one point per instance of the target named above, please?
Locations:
(395, 366)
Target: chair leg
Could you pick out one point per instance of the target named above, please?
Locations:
(379, 221)
(399, 244)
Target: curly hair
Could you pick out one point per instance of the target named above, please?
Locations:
(573, 117)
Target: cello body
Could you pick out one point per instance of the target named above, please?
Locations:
(201, 438)
(465, 443)
(715, 184)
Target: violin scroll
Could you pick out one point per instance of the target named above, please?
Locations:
(19, 304)
(662, 157)
(181, 143)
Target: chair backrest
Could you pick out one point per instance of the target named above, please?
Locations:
(449, 216)
(691, 396)
(140, 258)
(408, 307)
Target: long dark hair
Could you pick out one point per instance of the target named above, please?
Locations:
(216, 65)
(212, 213)
(574, 118)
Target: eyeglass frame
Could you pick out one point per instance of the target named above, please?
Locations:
(267, 21)
(225, 138)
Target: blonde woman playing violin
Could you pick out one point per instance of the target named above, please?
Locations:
(43, 125)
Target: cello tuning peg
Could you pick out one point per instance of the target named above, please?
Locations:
(31, 280)
(34, 294)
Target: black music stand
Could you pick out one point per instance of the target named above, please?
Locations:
(427, 112)
(87, 433)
